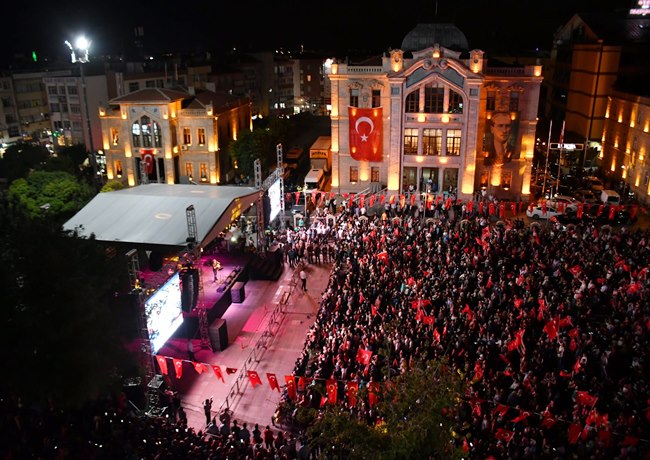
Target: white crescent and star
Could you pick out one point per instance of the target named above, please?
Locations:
(364, 137)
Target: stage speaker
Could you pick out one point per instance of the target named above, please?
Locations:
(189, 289)
(218, 332)
(155, 261)
(238, 292)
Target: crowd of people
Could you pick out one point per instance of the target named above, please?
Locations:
(548, 324)
(106, 429)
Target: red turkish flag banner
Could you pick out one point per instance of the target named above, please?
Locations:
(585, 399)
(331, 391)
(254, 377)
(147, 159)
(353, 389)
(230, 371)
(366, 137)
(502, 210)
(470, 206)
(504, 435)
(162, 363)
(363, 356)
(574, 433)
(291, 386)
(373, 391)
(297, 197)
(178, 366)
(513, 208)
(491, 209)
(372, 200)
(217, 371)
(413, 200)
(273, 381)
(551, 330)
(612, 212)
(199, 367)
(523, 415)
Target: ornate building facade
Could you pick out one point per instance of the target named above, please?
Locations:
(444, 123)
(172, 136)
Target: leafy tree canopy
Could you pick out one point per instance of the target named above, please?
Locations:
(113, 185)
(18, 160)
(55, 194)
(414, 420)
(61, 316)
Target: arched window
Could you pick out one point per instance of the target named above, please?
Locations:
(434, 98)
(145, 123)
(413, 102)
(146, 133)
(135, 131)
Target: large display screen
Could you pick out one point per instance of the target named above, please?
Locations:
(275, 195)
(164, 312)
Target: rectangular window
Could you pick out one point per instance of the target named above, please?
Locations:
(54, 107)
(115, 136)
(203, 171)
(354, 174)
(74, 108)
(189, 169)
(455, 102)
(513, 104)
(51, 90)
(491, 101)
(410, 141)
(432, 141)
(118, 169)
(72, 90)
(506, 180)
(354, 97)
(134, 86)
(187, 136)
(150, 84)
(434, 99)
(201, 136)
(374, 174)
(453, 142)
(376, 98)
(160, 83)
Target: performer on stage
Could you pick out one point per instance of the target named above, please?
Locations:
(216, 266)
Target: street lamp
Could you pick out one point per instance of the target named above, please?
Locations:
(79, 53)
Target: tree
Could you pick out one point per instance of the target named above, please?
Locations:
(113, 185)
(259, 144)
(20, 159)
(415, 424)
(55, 194)
(61, 316)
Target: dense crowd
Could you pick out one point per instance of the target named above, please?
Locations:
(548, 324)
(105, 429)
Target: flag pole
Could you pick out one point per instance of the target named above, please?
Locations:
(548, 151)
(559, 160)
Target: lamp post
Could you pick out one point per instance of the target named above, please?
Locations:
(79, 53)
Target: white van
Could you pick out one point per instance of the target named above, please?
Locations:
(610, 197)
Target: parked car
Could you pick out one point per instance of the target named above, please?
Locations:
(538, 212)
(570, 203)
(621, 217)
(594, 183)
(586, 196)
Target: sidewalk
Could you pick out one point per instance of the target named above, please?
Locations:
(247, 323)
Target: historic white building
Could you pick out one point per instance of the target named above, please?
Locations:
(441, 112)
(173, 136)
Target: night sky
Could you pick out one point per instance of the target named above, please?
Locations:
(262, 25)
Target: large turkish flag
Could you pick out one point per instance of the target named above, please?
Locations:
(366, 134)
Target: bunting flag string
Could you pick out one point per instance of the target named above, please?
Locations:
(575, 430)
(430, 201)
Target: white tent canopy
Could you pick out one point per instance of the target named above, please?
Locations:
(155, 214)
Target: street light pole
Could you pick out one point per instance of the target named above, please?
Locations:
(79, 53)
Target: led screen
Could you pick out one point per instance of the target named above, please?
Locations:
(275, 195)
(164, 312)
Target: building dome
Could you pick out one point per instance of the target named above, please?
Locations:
(427, 35)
